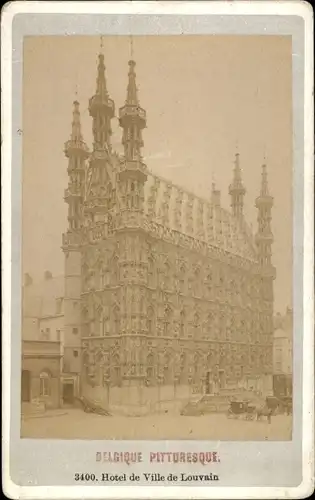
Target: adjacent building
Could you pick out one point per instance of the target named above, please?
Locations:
(282, 354)
(42, 341)
(166, 293)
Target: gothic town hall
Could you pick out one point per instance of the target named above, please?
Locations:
(166, 294)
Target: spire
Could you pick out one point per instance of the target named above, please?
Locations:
(215, 195)
(76, 142)
(264, 191)
(132, 91)
(101, 107)
(77, 152)
(76, 134)
(131, 46)
(237, 169)
(132, 119)
(236, 189)
(101, 88)
(264, 236)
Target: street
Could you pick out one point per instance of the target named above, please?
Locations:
(75, 424)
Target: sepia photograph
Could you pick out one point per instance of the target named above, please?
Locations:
(157, 250)
(157, 238)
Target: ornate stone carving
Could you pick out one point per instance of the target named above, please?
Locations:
(165, 207)
(152, 200)
(189, 219)
(178, 209)
(200, 222)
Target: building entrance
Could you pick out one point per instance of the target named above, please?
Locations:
(221, 379)
(68, 393)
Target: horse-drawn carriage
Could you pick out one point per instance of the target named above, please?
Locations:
(279, 405)
(249, 410)
(241, 409)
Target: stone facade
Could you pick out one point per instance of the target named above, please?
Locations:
(166, 294)
(42, 342)
(41, 373)
(283, 353)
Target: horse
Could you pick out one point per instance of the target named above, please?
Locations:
(264, 411)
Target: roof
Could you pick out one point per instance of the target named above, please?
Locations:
(211, 223)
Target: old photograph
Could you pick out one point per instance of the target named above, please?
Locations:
(157, 238)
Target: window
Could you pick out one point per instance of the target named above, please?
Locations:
(167, 276)
(75, 331)
(75, 354)
(44, 384)
(150, 321)
(150, 369)
(182, 324)
(58, 335)
(116, 318)
(150, 272)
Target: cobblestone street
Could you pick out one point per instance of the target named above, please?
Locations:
(75, 424)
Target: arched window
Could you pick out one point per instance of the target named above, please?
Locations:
(98, 372)
(99, 321)
(150, 321)
(116, 321)
(115, 271)
(116, 370)
(182, 320)
(182, 274)
(45, 384)
(209, 283)
(210, 322)
(102, 275)
(150, 368)
(168, 321)
(92, 280)
(197, 325)
(167, 276)
(197, 281)
(109, 194)
(150, 272)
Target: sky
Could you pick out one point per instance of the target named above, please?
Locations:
(205, 98)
